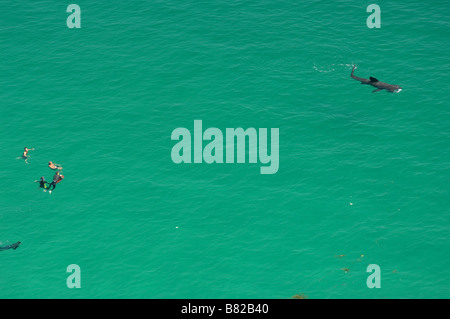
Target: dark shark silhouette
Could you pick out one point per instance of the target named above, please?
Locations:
(12, 246)
(375, 83)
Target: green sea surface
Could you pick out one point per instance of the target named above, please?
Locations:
(364, 175)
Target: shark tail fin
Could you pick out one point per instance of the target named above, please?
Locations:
(372, 79)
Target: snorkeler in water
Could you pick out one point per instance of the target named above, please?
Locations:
(25, 153)
(56, 179)
(54, 166)
(43, 183)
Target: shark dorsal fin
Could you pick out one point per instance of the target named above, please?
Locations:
(372, 79)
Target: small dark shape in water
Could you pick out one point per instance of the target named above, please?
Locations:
(375, 83)
(12, 246)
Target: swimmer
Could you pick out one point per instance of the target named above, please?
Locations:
(25, 153)
(54, 166)
(42, 183)
(12, 246)
(56, 179)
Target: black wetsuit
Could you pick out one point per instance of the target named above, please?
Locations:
(42, 183)
(56, 178)
(12, 246)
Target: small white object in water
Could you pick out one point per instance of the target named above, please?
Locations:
(351, 204)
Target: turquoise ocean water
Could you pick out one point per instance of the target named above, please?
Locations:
(362, 175)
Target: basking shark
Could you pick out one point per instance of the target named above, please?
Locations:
(12, 246)
(375, 83)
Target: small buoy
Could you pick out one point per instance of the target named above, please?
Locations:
(351, 204)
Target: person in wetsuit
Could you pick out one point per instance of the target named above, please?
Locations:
(56, 179)
(12, 246)
(42, 183)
